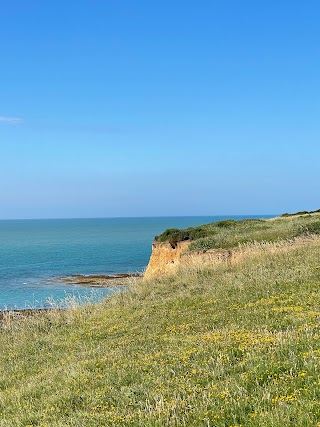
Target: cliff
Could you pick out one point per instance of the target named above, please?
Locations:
(202, 245)
(166, 258)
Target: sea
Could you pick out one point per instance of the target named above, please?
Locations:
(35, 254)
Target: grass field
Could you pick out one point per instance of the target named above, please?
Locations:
(230, 345)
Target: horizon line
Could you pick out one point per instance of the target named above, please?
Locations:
(132, 217)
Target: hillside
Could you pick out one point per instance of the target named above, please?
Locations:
(228, 344)
(222, 240)
(230, 233)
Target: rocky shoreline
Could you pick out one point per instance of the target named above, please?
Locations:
(101, 281)
(94, 281)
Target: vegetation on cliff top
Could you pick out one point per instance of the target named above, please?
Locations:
(230, 233)
(229, 345)
(300, 213)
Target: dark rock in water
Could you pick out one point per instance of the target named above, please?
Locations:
(124, 279)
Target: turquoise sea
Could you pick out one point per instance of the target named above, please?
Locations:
(34, 254)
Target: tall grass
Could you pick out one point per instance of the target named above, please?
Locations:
(233, 344)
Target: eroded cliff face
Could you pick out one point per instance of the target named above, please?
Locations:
(167, 258)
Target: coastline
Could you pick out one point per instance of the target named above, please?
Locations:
(124, 280)
(101, 280)
(37, 253)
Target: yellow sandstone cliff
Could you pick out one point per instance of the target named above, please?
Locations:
(166, 258)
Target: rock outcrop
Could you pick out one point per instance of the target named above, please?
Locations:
(167, 258)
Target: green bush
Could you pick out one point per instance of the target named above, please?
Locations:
(174, 235)
(226, 223)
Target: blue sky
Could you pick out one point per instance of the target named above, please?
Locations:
(152, 108)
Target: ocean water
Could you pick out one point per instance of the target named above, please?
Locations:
(34, 254)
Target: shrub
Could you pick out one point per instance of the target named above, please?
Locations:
(173, 235)
(226, 223)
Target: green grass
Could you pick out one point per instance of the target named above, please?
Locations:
(230, 233)
(300, 213)
(237, 344)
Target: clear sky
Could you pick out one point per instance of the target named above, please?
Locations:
(151, 108)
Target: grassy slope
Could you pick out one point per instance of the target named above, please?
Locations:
(230, 233)
(237, 344)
